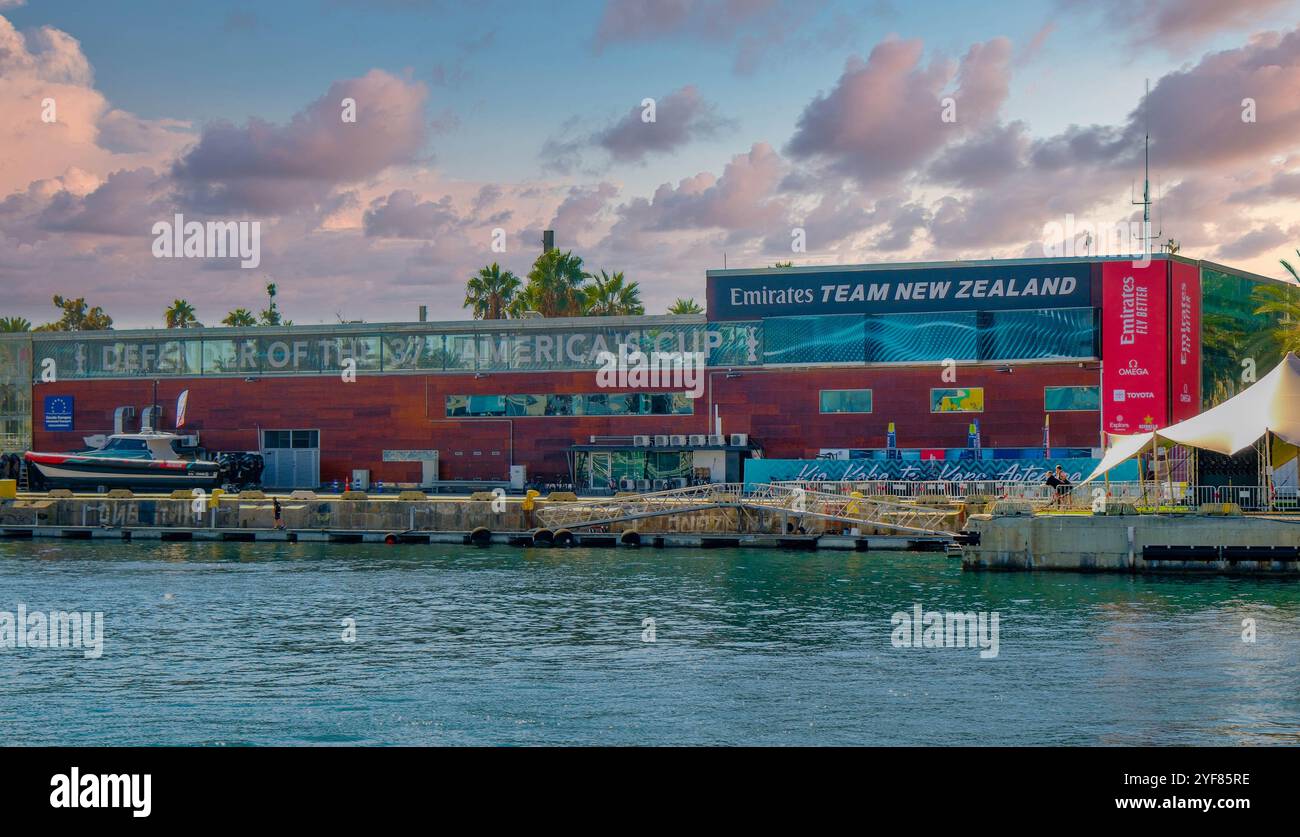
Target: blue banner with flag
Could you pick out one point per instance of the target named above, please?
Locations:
(58, 412)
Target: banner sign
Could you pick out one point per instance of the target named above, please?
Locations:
(1135, 347)
(1185, 340)
(58, 412)
(786, 292)
(761, 471)
(203, 353)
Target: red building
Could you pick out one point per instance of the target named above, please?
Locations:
(798, 363)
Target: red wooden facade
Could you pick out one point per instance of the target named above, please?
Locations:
(779, 408)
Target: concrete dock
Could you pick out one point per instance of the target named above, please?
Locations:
(1209, 541)
(415, 518)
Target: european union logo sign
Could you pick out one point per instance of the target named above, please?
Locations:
(58, 412)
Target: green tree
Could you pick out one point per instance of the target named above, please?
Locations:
(554, 288)
(1290, 268)
(782, 264)
(181, 315)
(270, 315)
(1282, 303)
(240, 318)
(490, 292)
(12, 324)
(612, 296)
(685, 306)
(78, 316)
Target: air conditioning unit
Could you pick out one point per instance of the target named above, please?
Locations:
(697, 440)
(739, 440)
(120, 415)
(641, 441)
(627, 484)
(680, 482)
(717, 440)
(643, 485)
(150, 419)
(661, 441)
(677, 441)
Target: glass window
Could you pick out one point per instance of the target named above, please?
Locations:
(305, 439)
(957, 400)
(846, 401)
(561, 404)
(833, 339)
(1044, 333)
(220, 356)
(125, 445)
(898, 338)
(1063, 399)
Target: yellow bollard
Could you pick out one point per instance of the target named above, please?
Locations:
(530, 497)
(8, 489)
(214, 499)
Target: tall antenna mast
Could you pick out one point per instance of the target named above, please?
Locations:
(1145, 203)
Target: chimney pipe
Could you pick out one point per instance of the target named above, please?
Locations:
(424, 313)
(548, 240)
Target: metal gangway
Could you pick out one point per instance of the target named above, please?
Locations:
(790, 501)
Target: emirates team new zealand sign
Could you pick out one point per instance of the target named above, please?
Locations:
(749, 295)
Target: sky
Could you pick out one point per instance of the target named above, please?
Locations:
(881, 131)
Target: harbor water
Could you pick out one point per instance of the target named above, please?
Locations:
(292, 644)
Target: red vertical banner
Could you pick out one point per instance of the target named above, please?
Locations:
(1185, 340)
(1135, 346)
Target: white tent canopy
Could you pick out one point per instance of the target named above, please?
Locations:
(1270, 405)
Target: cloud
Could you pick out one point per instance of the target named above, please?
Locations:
(754, 26)
(884, 115)
(1257, 241)
(577, 214)
(742, 201)
(401, 214)
(1177, 24)
(266, 168)
(55, 120)
(680, 118)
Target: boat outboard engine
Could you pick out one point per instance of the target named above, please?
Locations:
(240, 470)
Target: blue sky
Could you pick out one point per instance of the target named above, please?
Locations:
(816, 113)
(517, 70)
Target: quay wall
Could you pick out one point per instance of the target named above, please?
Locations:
(387, 514)
(1134, 543)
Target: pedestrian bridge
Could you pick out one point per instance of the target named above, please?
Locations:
(794, 503)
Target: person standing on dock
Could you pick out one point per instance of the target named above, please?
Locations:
(1059, 480)
(275, 505)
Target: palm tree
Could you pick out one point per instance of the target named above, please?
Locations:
(1290, 268)
(685, 306)
(181, 315)
(240, 318)
(490, 292)
(12, 324)
(555, 287)
(612, 296)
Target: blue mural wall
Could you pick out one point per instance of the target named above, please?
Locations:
(759, 471)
